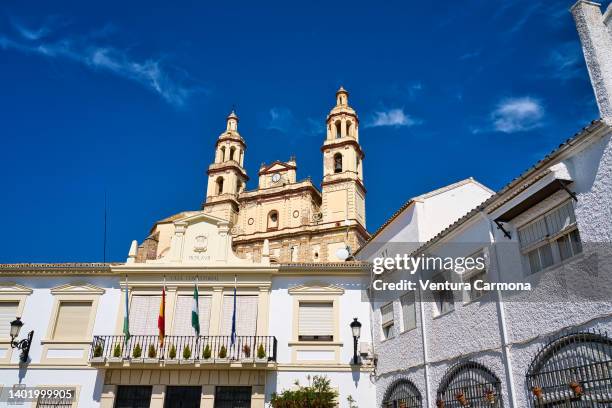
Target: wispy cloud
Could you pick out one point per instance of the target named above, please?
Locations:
(566, 61)
(280, 118)
(469, 55)
(392, 117)
(172, 84)
(517, 115)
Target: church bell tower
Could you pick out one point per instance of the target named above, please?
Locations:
(343, 191)
(226, 176)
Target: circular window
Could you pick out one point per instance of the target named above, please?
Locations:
(296, 214)
(251, 221)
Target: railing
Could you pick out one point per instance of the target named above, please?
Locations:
(184, 349)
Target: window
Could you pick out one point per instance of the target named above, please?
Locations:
(550, 238)
(473, 275)
(273, 220)
(8, 313)
(232, 151)
(443, 299)
(72, 320)
(246, 315)
(402, 394)
(133, 396)
(144, 311)
(220, 185)
(469, 384)
(338, 130)
(337, 163)
(182, 315)
(349, 128)
(316, 321)
(408, 311)
(223, 153)
(386, 319)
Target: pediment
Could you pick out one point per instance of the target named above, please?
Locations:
(316, 288)
(77, 288)
(276, 167)
(12, 288)
(201, 217)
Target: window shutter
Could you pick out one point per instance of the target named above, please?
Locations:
(408, 311)
(386, 313)
(8, 312)
(560, 218)
(246, 315)
(533, 232)
(72, 320)
(316, 319)
(144, 311)
(182, 315)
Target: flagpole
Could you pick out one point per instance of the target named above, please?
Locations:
(126, 317)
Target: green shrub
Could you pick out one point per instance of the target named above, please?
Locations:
(137, 353)
(98, 350)
(317, 394)
(222, 352)
(152, 352)
(186, 353)
(172, 352)
(261, 352)
(207, 353)
(117, 351)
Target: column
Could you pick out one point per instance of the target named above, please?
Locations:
(215, 310)
(157, 396)
(258, 396)
(263, 313)
(107, 398)
(208, 396)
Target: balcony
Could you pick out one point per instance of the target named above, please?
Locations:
(259, 351)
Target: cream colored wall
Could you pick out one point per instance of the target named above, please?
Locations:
(286, 207)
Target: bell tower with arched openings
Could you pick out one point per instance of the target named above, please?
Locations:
(343, 192)
(226, 176)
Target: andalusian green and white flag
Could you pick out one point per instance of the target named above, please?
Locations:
(126, 315)
(195, 310)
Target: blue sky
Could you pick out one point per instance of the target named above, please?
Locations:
(129, 98)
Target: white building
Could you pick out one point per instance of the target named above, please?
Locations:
(550, 227)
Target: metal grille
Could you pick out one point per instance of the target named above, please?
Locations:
(133, 396)
(573, 371)
(402, 394)
(232, 397)
(469, 384)
(53, 402)
(183, 397)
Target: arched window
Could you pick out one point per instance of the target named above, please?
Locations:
(469, 384)
(349, 128)
(402, 394)
(231, 152)
(337, 163)
(573, 370)
(238, 186)
(219, 185)
(273, 220)
(223, 153)
(338, 129)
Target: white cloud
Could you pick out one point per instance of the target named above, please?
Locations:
(517, 115)
(566, 61)
(172, 84)
(392, 117)
(280, 119)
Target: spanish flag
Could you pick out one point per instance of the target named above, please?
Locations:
(161, 319)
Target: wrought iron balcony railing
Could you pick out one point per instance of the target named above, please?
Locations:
(183, 349)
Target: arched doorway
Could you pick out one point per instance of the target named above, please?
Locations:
(402, 394)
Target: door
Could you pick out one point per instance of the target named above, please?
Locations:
(233, 397)
(133, 396)
(182, 397)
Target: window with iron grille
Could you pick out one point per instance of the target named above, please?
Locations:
(402, 394)
(469, 384)
(551, 238)
(574, 370)
(133, 396)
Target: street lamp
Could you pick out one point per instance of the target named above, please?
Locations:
(23, 345)
(356, 328)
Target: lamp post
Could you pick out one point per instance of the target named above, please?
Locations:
(356, 329)
(23, 345)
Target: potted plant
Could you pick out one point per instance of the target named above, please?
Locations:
(116, 358)
(576, 388)
(440, 403)
(137, 354)
(490, 396)
(206, 354)
(172, 355)
(97, 353)
(187, 355)
(537, 392)
(222, 356)
(246, 352)
(261, 354)
(151, 355)
(460, 397)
